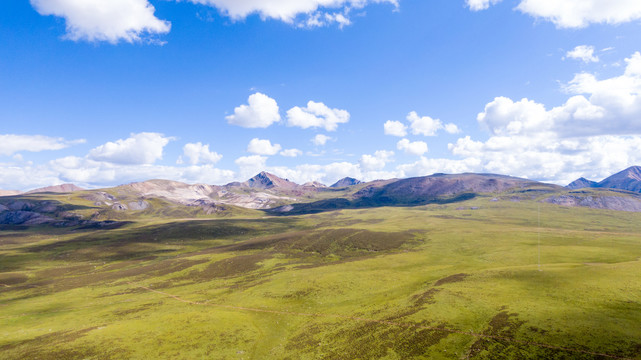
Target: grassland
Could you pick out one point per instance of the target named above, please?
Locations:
(426, 282)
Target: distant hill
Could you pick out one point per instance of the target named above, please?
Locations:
(433, 189)
(314, 184)
(581, 183)
(64, 188)
(9, 192)
(345, 182)
(628, 179)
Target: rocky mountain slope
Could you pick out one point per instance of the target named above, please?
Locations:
(628, 179)
(277, 196)
(598, 199)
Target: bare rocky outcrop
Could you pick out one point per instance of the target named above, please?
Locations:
(138, 205)
(119, 207)
(598, 201)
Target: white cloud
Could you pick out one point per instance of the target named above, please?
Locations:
(142, 148)
(91, 173)
(395, 128)
(315, 11)
(477, 5)
(316, 115)
(291, 153)
(598, 107)
(320, 139)
(581, 13)
(584, 53)
(11, 144)
(452, 129)
(251, 165)
(426, 166)
(506, 117)
(415, 148)
(376, 161)
(101, 20)
(261, 112)
(263, 147)
(424, 125)
(320, 19)
(573, 13)
(595, 133)
(200, 154)
(338, 170)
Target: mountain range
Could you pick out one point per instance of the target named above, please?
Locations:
(273, 195)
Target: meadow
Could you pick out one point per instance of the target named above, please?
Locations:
(486, 278)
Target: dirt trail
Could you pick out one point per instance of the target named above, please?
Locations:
(384, 322)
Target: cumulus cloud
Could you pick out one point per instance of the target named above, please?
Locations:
(376, 161)
(415, 148)
(197, 153)
(452, 129)
(395, 128)
(599, 107)
(581, 13)
(425, 125)
(11, 144)
(584, 53)
(573, 13)
(92, 173)
(315, 12)
(262, 147)
(316, 115)
(100, 20)
(142, 148)
(291, 153)
(427, 166)
(477, 5)
(320, 139)
(251, 165)
(595, 133)
(261, 112)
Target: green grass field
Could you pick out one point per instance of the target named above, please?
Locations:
(427, 282)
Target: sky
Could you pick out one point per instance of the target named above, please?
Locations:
(100, 93)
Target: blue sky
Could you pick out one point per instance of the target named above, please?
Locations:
(212, 91)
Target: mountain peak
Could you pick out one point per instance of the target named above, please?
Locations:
(265, 180)
(633, 172)
(346, 181)
(628, 179)
(581, 183)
